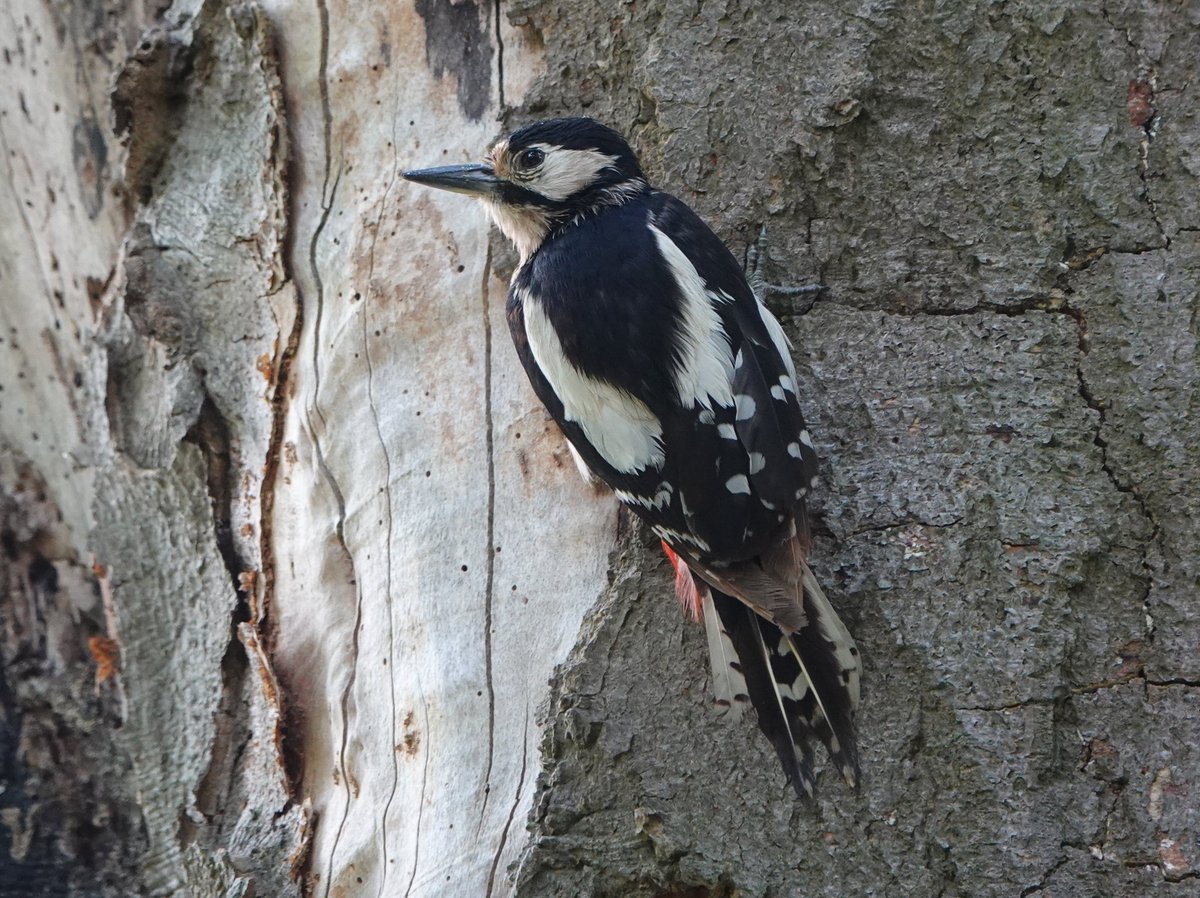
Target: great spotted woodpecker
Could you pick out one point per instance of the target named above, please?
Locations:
(675, 385)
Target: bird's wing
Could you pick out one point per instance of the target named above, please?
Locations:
(780, 460)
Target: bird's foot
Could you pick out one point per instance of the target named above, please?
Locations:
(756, 264)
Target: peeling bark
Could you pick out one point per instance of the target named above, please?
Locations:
(290, 553)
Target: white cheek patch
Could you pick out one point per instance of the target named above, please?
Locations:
(620, 426)
(566, 172)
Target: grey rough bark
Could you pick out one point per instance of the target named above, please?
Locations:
(289, 551)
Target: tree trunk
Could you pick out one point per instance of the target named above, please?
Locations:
(303, 594)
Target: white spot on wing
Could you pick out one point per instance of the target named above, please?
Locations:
(794, 450)
(704, 367)
(745, 407)
(757, 462)
(787, 383)
(777, 393)
(834, 631)
(727, 431)
(661, 498)
(806, 439)
(620, 426)
(738, 484)
(676, 537)
(632, 498)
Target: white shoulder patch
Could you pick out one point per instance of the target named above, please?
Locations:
(620, 426)
(705, 365)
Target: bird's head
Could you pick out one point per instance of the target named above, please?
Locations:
(543, 175)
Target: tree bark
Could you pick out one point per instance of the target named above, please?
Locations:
(302, 592)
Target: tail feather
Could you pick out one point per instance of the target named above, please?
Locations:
(796, 661)
(804, 686)
(730, 690)
(789, 733)
(834, 668)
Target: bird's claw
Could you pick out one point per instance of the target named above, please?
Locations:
(756, 262)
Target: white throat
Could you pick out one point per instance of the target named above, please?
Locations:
(525, 226)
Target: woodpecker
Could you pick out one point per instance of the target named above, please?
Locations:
(675, 385)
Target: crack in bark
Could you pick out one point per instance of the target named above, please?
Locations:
(1175, 681)
(343, 705)
(1098, 440)
(512, 812)
(421, 801)
(1149, 126)
(500, 61)
(211, 434)
(387, 491)
(1160, 865)
(260, 617)
(328, 197)
(490, 563)
(899, 525)
(387, 458)
(1040, 885)
(1135, 679)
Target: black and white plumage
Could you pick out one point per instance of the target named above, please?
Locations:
(674, 384)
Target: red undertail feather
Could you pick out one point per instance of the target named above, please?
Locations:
(685, 587)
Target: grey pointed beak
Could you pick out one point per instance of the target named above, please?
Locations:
(475, 179)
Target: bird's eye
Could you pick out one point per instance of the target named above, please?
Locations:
(529, 159)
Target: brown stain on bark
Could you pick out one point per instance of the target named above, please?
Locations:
(1139, 102)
